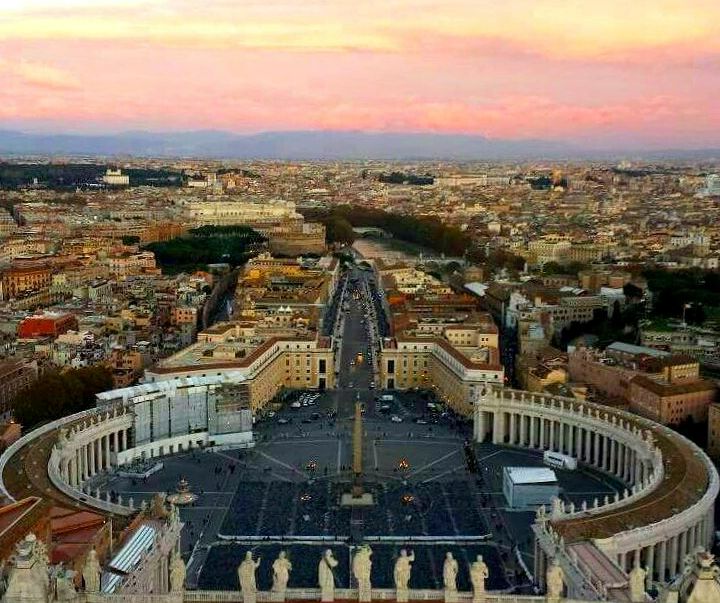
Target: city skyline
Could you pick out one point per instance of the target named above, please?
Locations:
(611, 76)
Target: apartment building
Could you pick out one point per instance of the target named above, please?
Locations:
(664, 387)
(442, 342)
(15, 376)
(22, 277)
(266, 364)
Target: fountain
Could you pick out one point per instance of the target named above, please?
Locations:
(183, 495)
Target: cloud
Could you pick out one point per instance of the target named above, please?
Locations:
(581, 29)
(39, 75)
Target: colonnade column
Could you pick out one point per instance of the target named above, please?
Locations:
(76, 466)
(588, 446)
(579, 442)
(596, 458)
(91, 449)
(673, 555)
(513, 428)
(123, 439)
(650, 566)
(541, 422)
(570, 443)
(533, 441)
(497, 421)
(662, 565)
(108, 464)
(86, 464)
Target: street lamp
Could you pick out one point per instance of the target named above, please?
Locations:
(685, 308)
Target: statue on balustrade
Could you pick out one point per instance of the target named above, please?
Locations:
(450, 571)
(91, 572)
(478, 574)
(403, 568)
(554, 580)
(637, 584)
(326, 576)
(281, 574)
(177, 573)
(28, 577)
(362, 566)
(246, 576)
(64, 584)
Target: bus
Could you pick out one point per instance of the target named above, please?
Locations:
(558, 460)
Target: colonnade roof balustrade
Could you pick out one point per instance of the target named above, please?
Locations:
(684, 483)
(688, 473)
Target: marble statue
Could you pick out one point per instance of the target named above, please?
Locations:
(177, 573)
(403, 567)
(326, 577)
(42, 559)
(246, 576)
(25, 581)
(281, 574)
(478, 574)
(637, 584)
(362, 565)
(159, 510)
(450, 571)
(65, 584)
(554, 580)
(91, 572)
(174, 514)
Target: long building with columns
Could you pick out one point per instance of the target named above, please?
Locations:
(665, 512)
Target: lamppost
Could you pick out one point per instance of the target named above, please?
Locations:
(685, 308)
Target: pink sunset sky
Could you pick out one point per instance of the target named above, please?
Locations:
(610, 73)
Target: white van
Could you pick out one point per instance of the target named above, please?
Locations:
(559, 461)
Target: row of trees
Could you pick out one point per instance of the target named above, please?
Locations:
(58, 394)
(64, 176)
(424, 231)
(672, 289)
(208, 245)
(402, 178)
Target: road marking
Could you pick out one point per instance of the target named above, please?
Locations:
(339, 456)
(435, 462)
(375, 453)
(281, 463)
(444, 473)
(490, 455)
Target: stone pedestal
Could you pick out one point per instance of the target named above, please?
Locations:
(402, 595)
(364, 594)
(363, 500)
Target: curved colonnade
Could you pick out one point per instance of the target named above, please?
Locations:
(87, 448)
(665, 511)
(135, 423)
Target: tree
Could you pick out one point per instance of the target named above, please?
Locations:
(57, 394)
(632, 291)
(339, 230)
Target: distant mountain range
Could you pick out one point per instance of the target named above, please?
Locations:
(279, 145)
(300, 145)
